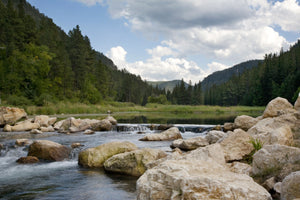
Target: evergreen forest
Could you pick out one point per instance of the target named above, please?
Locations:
(41, 64)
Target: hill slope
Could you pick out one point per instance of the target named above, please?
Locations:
(220, 77)
(167, 85)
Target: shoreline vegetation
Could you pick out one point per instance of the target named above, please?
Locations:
(64, 109)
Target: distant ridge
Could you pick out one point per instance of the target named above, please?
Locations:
(167, 85)
(220, 77)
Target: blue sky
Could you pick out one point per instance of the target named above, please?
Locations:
(174, 39)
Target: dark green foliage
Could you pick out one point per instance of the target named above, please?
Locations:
(40, 63)
(277, 75)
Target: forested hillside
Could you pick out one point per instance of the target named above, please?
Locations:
(166, 85)
(223, 76)
(277, 75)
(40, 63)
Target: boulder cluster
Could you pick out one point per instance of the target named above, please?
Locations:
(252, 158)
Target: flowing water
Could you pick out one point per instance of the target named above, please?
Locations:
(67, 180)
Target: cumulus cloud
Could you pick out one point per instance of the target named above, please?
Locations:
(225, 31)
(90, 2)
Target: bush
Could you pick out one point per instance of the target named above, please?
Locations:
(18, 100)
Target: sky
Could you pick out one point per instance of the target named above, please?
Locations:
(163, 40)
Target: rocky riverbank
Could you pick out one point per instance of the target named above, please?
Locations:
(252, 158)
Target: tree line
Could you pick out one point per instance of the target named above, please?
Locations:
(40, 63)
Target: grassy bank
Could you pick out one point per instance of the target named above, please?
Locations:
(116, 107)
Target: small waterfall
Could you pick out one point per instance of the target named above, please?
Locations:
(133, 128)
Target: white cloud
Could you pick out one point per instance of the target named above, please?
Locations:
(224, 31)
(90, 2)
(118, 55)
(286, 14)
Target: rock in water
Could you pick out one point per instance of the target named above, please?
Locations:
(11, 115)
(276, 107)
(189, 144)
(28, 160)
(170, 134)
(133, 163)
(22, 126)
(214, 136)
(48, 150)
(95, 157)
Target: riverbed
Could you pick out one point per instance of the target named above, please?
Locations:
(67, 180)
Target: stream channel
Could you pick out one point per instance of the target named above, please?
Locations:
(67, 180)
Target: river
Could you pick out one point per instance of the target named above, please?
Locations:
(67, 180)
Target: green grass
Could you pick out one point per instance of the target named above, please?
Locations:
(116, 107)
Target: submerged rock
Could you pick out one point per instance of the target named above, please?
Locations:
(28, 160)
(189, 144)
(95, 157)
(133, 163)
(48, 150)
(170, 134)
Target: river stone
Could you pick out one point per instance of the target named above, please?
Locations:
(244, 122)
(47, 129)
(273, 160)
(236, 145)
(76, 145)
(28, 160)
(276, 107)
(194, 179)
(240, 168)
(102, 125)
(290, 187)
(214, 136)
(275, 130)
(189, 144)
(133, 163)
(23, 126)
(170, 134)
(43, 120)
(228, 126)
(95, 157)
(23, 142)
(11, 115)
(36, 131)
(112, 120)
(48, 150)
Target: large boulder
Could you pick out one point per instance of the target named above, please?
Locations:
(95, 157)
(237, 145)
(244, 122)
(44, 120)
(170, 134)
(102, 125)
(275, 160)
(214, 136)
(133, 163)
(47, 129)
(240, 168)
(275, 130)
(189, 144)
(11, 115)
(194, 179)
(276, 107)
(290, 187)
(26, 125)
(48, 150)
